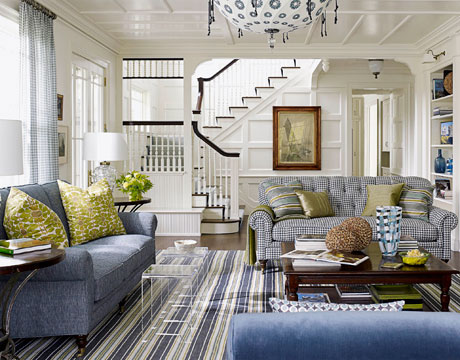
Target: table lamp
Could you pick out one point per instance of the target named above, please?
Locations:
(11, 162)
(105, 147)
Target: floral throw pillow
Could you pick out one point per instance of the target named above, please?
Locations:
(279, 305)
(26, 217)
(90, 213)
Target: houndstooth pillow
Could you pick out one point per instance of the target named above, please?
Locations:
(283, 306)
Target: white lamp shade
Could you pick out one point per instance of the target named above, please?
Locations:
(105, 146)
(376, 65)
(11, 147)
(428, 59)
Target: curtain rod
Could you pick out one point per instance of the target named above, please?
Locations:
(41, 8)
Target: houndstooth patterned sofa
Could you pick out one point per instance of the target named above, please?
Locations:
(348, 197)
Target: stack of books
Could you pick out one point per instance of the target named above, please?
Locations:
(437, 111)
(351, 291)
(324, 258)
(407, 243)
(310, 242)
(388, 293)
(20, 246)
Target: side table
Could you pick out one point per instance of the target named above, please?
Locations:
(14, 265)
(123, 203)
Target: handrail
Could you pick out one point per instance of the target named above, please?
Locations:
(153, 123)
(201, 82)
(210, 143)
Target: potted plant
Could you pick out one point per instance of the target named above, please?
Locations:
(134, 184)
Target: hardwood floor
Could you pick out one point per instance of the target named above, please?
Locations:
(238, 242)
(213, 242)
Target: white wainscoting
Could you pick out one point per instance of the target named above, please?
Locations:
(167, 191)
(177, 222)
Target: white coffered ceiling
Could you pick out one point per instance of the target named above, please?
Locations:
(382, 23)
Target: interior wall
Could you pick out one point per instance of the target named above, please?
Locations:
(70, 41)
(333, 92)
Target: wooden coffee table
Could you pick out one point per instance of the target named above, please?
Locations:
(369, 272)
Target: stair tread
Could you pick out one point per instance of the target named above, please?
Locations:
(195, 194)
(238, 107)
(277, 77)
(212, 127)
(290, 67)
(216, 206)
(252, 97)
(217, 221)
(225, 117)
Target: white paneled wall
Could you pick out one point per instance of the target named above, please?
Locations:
(253, 135)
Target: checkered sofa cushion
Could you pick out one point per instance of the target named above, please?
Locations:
(348, 197)
(287, 230)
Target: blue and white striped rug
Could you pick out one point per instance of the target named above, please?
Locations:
(230, 287)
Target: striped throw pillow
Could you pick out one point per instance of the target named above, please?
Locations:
(283, 199)
(415, 202)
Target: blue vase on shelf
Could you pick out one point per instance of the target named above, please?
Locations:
(440, 163)
(450, 166)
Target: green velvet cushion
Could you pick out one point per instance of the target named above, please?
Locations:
(315, 204)
(381, 195)
(283, 199)
(415, 202)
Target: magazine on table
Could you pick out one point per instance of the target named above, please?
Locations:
(314, 297)
(332, 256)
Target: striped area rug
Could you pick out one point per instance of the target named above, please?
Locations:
(230, 287)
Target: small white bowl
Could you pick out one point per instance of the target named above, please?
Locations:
(185, 245)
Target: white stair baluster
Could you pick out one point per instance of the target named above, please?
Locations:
(220, 181)
(203, 152)
(227, 207)
(215, 179)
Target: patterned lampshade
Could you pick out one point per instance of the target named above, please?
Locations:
(271, 16)
(11, 161)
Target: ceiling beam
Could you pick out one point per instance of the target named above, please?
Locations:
(396, 28)
(313, 27)
(353, 29)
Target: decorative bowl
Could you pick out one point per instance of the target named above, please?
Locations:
(185, 245)
(414, 260)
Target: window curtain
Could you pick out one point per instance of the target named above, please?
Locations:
(38, 93)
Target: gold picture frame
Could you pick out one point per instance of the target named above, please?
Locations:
(297, 138)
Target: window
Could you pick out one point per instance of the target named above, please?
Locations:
(10, 81)
(88, 112)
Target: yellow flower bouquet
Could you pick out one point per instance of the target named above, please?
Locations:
(134, 184)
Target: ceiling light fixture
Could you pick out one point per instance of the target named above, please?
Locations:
(431, 58)
(272, 16)
(376, 66)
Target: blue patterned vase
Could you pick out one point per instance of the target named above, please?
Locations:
(389, 228)
(440, 163)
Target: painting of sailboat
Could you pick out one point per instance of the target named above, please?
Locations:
(297, 139)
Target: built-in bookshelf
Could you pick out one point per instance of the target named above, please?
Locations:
(441, 136)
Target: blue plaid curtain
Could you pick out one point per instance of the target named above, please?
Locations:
(39, 96)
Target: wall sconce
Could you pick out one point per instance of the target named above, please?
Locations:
(376, 66)
(431, 58)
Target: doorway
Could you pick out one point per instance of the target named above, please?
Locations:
(378, 132)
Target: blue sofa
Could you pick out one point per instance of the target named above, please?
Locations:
(344, 336)
(72, 297)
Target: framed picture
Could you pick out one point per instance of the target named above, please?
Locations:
(63, 136)
(438, 88)
(297, 138)
(442, 189)
(447, 128)
(60, 106)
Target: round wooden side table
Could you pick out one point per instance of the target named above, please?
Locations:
(123, 203)
(14, 266)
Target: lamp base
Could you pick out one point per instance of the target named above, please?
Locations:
(105, 171)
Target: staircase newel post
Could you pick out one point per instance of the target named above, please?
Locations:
(234, 188)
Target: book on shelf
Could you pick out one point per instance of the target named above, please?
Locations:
(353, 291)
(328, 256)
(22, 243)
(387, 293)
(314, 297)
(17, 251)
(437, 111)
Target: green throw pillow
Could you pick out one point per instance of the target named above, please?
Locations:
(91, 213)
(283, 199)
(26, 217)
(415, 202)
(381, 195)
(315, 204)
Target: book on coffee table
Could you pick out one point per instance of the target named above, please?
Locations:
(327, 256)
(387, 293)
(313, 297)
(353, 291)
(310, 242)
